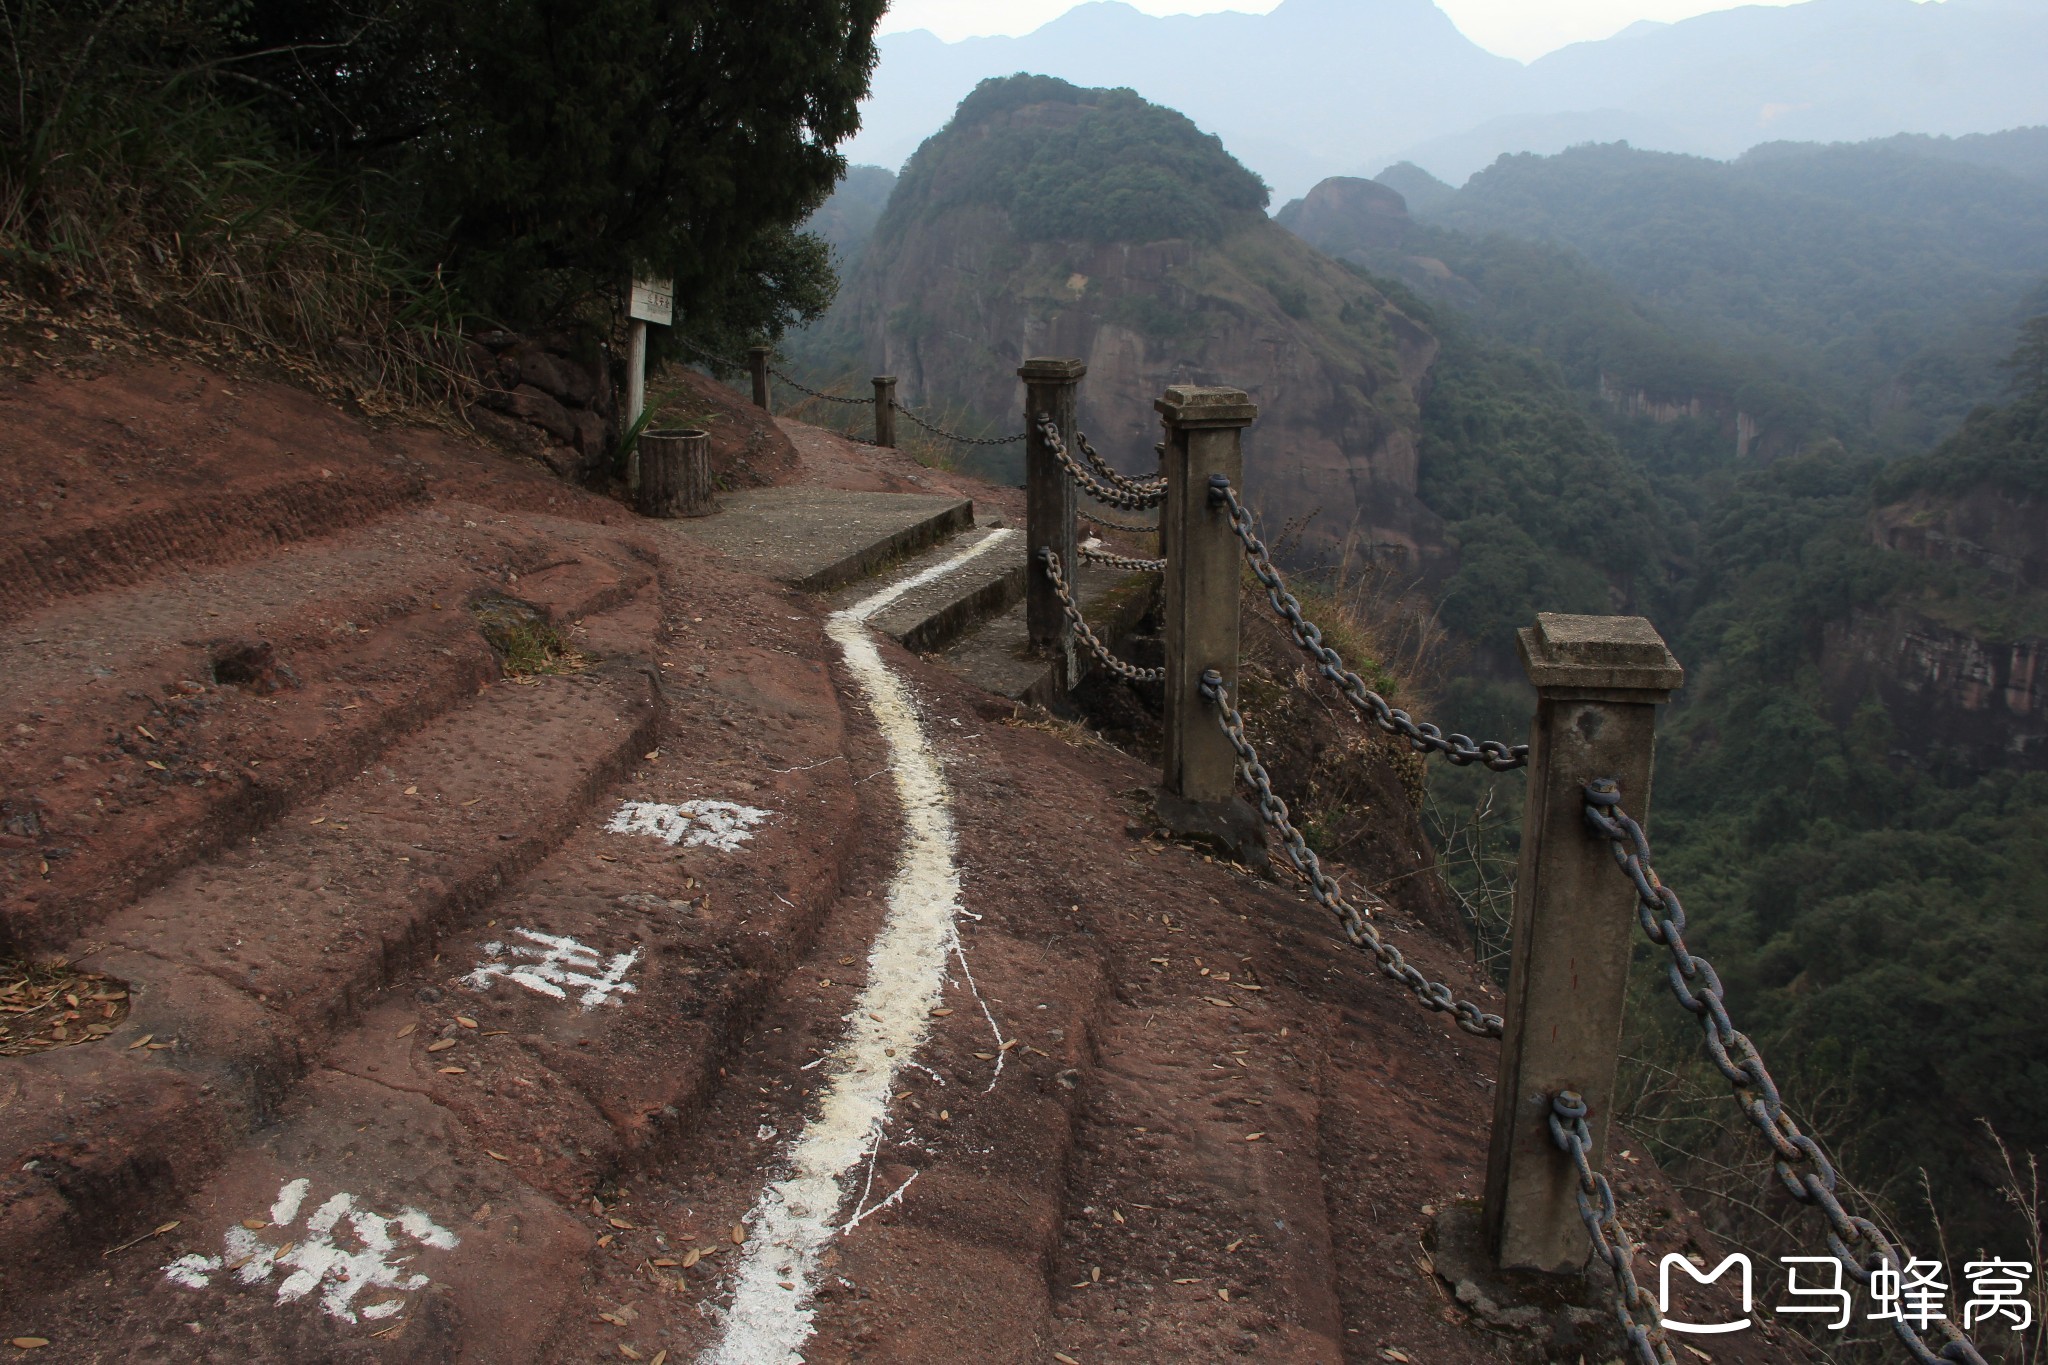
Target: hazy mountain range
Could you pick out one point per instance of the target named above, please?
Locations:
(1343, 87)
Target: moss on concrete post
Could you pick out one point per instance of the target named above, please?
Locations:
(757, 365)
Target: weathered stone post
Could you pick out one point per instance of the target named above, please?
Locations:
(885, 410)
(1599, 680)
(1204, 562)
(757, 364)
(1049, 389)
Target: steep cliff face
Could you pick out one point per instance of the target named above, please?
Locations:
(980, 262)
(1964, 674)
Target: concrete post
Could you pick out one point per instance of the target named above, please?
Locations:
(1204, 562)
(1598, 682)
(757, 364)
(885, 410)
(1049, 388)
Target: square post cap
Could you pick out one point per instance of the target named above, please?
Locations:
(1598, 654)
(1190, 405)
(1052, 369)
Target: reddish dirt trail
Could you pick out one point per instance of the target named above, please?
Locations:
(470, 1016)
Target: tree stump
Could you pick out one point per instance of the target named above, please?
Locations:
(675, 474)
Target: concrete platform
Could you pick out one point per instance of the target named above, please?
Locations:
(998, 657)
(818, 539)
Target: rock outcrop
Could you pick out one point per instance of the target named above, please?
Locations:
(953, 293)
(1963, 676)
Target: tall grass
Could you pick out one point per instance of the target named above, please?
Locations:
(138, 196)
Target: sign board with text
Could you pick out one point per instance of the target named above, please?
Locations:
(653, 301)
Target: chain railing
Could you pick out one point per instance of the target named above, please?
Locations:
(1116, 561)
(728, 362)
(822, 396)
(1355, 920)
(1423, 737)
(956, 437)
(1082, 632)
(1133, 528)
(1611, 1242)
(1106, 494)
(1598, 679)
(1800, 1164)
(1140, 487)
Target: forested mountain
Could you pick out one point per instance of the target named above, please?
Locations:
(1343, 87)
(1883, 280)
(1051, 219)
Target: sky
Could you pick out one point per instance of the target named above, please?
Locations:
(1523, 29)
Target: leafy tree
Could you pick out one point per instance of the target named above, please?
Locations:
(537, 151)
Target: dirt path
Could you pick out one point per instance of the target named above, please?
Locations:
(738, 987)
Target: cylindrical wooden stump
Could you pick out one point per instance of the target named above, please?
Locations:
(675, 474)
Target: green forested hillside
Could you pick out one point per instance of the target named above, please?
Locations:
(1876, 907)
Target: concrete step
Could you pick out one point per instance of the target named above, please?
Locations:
(137, 748)
(998, 657)
(943, 600)
(818, 539)
(241, 968)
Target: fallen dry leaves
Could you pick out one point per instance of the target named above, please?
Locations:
(42, 1007)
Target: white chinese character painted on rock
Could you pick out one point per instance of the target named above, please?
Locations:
(553, 965)
(693, 824)
(343, 1265)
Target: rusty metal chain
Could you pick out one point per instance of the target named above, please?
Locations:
(943, 434)
(1355, 920)
(710, 355)
(1130, 672)
(728, 362)
(826, 397)
(1141, 487)
(1611, 1242)
(1421, 736)
(1116, 561)
(1088, 483)
(1800, 1164)
(1108, 525)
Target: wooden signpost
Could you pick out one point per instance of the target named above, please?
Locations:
(652, 301)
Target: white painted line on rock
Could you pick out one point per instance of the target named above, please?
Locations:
(723, 825)
(317, 1260)
(794, 1219)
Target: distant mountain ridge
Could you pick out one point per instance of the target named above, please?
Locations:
(1341, 87)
